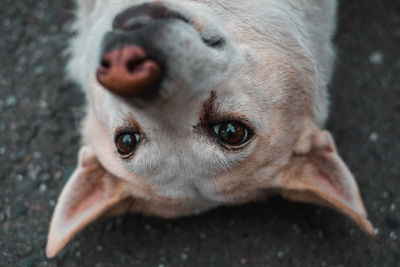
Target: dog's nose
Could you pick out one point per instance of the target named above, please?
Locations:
(127, 71)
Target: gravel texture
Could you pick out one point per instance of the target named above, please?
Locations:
(39, 117)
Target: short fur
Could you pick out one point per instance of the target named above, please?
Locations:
(272, 72)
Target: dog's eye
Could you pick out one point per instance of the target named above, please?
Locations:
(126, 143)
(231, 133)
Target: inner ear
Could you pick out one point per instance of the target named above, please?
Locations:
(321, 177)
(89, 193)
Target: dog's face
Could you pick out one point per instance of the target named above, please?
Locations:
(233, 114)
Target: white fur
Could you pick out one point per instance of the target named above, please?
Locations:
(177, 161)
(271, 74)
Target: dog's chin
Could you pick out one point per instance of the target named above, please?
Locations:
(155, 37)
(161, 31)
(142, 15)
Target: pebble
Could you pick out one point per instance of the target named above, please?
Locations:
(385, 194)
(58, 175)
(8, 211)
(373, 137)
(184, 256)
(42, 188)
(281, 254)
(33, 172)
(377, 231)
(43, 104)
(393, 236)
(2, 150)
(11, 101)
(39, 69)
(376, 58)
(243, 261)
(52, 203)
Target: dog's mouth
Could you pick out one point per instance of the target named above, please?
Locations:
(137, 17)
(137, 54)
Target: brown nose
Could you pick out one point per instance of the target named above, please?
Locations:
(127, 71)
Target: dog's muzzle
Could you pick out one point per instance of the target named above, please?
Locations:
(128, 66)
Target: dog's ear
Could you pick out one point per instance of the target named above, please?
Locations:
(89, 193)
(317, 174)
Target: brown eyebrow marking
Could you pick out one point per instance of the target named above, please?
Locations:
(129, 124)
(208, 112)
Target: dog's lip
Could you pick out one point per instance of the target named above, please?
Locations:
(135, 23)
(139, 16)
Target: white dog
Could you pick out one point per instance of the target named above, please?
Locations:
(194, 104)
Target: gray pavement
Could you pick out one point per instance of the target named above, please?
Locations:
(39, 117)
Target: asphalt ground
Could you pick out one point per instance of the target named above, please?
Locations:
(40, 111)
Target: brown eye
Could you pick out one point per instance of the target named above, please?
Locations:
(231, 133)
(126, 143)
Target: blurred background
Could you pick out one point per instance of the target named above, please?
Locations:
(40, 111)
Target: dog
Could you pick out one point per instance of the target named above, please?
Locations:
(195, 104)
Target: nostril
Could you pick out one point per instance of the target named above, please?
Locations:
(105, 63)
(131, 65)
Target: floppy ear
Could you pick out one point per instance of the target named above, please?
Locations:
(88, 194)
(320, 176)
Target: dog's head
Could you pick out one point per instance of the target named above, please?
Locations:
(196, 105)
